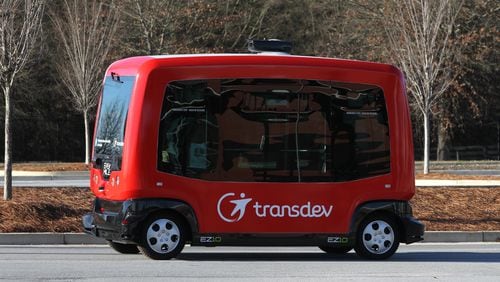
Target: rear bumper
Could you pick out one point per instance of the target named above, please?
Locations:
(112, 220)
(413, 230)
(121, 221)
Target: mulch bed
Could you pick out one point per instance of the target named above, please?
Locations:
(45, 210)
(458, 209)
(61, 209)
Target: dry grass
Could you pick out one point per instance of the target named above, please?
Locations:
(61, 209)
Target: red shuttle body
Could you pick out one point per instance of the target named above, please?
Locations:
(253, 149)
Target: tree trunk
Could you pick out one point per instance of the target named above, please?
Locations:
(87, 137)
(7, 186)
(426, 142)
(442, 146)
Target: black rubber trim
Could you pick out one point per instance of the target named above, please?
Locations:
(272, 239)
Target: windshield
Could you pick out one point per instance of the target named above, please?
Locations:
(111, 120)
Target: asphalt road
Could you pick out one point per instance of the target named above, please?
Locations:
(418, 262)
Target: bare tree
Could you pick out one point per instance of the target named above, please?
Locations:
(241, 20)
(20, 25)
(419, 35)
(156, 22)
(86, 29)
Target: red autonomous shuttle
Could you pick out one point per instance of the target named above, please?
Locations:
(253, 149)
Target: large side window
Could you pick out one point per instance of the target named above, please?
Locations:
(269, 130)
(188, 132)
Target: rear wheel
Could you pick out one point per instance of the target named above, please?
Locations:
(124, 248)
(377, 237)
(335, 250)
(163, 236)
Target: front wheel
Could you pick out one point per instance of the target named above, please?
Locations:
(163, 237)
(377, 237)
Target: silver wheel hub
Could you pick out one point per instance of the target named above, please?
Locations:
(163, 236)
(378, 237)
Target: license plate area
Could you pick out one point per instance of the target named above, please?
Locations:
(106, 169)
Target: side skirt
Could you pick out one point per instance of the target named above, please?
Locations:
(212, 240)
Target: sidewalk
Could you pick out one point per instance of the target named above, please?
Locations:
(47, 175)
(85, 239)
(456, 183)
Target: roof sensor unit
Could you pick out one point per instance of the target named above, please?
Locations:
(271, 45)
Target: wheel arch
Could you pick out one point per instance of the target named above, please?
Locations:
(391, 208)
(144, 208)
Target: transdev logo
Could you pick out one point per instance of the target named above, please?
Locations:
(239, 205)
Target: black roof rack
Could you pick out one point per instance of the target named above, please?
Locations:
(271, 45)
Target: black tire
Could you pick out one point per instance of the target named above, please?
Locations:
(124, 248)
(335, 250)
(377, 237)
(163, 236)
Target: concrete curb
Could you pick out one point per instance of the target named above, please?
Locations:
(85, 239)
(49, 239)
(461, 236)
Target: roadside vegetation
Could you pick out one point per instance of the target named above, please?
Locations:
(48, 119)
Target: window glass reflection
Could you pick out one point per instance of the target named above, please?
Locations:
(112, 116)
(270, 130)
